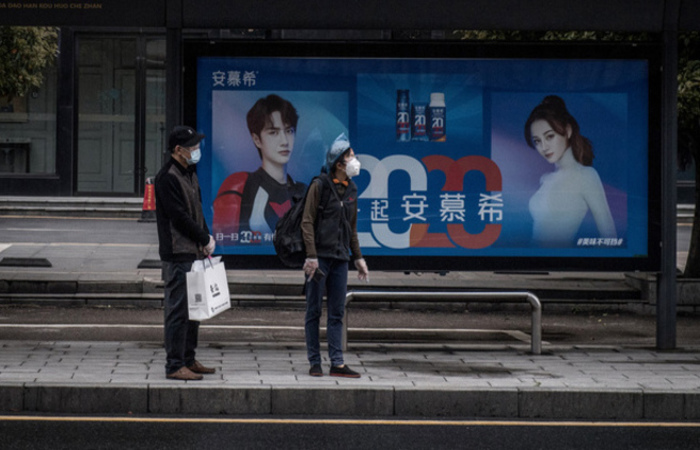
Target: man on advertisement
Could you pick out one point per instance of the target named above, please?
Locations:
(250, 203)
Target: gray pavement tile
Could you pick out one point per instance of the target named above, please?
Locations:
(92, 376)
(127, 372)
(128, 378)
(43, 378)
(239, 367)
(240, 374)
(583, 383)
(308, 379)
(511, 384)
(600, 375)
(209, 382)
(550, 383)
(88, 364)
(644, 368)
(391, 374)
(60, 366)
(687, 383)
(236, 356)
(394, 383)
(35, 363)
(21, 370)
(130, 364)
(69, 359)
(16, 377)
(655, 384)
(611, 384)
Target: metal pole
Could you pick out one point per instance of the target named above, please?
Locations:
(66, 151)
(666, 294)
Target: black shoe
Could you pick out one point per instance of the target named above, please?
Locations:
(344, 371)
(316, 371)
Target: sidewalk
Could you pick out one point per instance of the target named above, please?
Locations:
(431, 380)
(593, 383)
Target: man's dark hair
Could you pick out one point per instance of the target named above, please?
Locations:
(259, 114)
(340, 160)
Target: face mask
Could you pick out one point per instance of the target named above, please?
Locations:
(352, 168)
(194, 158)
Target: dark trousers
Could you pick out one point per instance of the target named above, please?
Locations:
(335, 286)
(180, 332)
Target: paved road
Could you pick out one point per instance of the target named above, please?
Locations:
(323, 433)
(18, 229)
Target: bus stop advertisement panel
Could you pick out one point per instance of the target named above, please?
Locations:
(504, 163)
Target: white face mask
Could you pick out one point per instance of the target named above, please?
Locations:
(194, 158)
(352, 168)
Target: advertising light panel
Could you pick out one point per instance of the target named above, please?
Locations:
(468, 163)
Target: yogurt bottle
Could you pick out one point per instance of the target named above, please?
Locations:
(437, 117)
(403, 115)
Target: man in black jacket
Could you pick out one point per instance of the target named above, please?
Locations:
(183, 237)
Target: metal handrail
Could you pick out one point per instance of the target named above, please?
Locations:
(502, 296)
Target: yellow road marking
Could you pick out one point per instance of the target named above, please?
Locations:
(390, 422)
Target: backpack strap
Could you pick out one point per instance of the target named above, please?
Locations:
(326, 193)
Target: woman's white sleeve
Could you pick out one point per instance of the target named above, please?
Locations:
(594, 194)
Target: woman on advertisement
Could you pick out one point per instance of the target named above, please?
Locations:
(574, 187)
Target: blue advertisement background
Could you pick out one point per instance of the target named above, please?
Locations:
(487, 103)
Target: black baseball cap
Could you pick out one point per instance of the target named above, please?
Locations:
(183, 136)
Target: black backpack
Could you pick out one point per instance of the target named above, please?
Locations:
(288, 240)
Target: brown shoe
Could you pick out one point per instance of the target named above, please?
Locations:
(197, 367)
(184, 374)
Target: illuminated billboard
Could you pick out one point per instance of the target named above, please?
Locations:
(512, 162)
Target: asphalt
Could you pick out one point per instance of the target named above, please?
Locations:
(270, 378)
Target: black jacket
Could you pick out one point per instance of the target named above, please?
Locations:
(330, 229)
(182, 231)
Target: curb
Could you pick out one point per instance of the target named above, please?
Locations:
(511, 403)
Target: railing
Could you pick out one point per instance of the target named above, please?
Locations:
(464, 296)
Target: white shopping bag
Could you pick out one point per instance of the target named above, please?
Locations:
(207, 289)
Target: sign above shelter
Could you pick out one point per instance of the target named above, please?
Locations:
(591, 15)
(618, 15)
(113, 13)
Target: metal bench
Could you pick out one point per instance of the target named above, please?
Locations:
(462, 296)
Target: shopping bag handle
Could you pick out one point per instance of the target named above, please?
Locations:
(211, 262)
